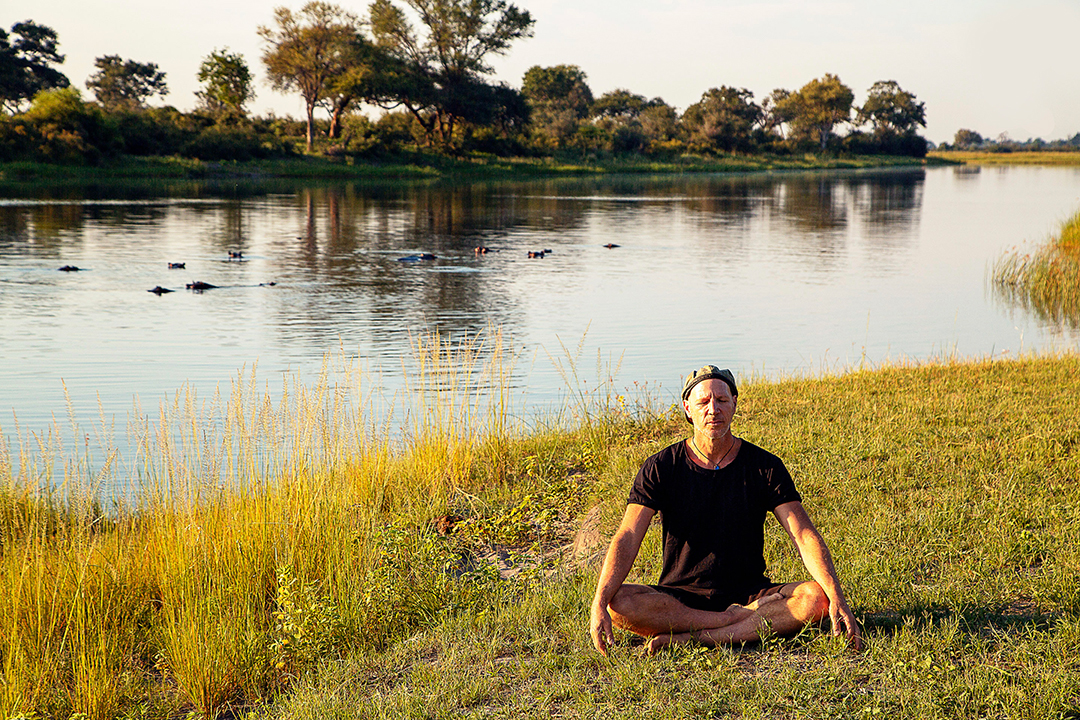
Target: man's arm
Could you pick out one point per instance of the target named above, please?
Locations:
(818, 561)
(617, 563)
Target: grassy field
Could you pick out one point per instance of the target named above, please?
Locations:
(1007, 158)
(291, 559)
(1045, 280)
(410, 168)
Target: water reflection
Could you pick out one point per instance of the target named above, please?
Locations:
(788, 256)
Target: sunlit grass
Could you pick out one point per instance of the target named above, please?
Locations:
(320, 551)
(976, 157)
(1047, 279)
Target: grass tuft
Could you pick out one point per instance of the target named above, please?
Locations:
(1047, 280)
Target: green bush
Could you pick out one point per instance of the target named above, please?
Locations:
(60, 128)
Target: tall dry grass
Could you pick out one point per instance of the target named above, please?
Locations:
(254, 534)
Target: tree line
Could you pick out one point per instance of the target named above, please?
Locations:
(426, 65)
(967, 139)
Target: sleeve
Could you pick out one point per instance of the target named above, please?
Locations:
(646, 488)
(779, 486)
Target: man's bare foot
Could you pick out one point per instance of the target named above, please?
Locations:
(659, 642)
(765, 600)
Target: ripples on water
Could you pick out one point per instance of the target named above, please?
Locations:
(763, 273)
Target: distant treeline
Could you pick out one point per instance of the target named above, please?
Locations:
(432, 90)
(970, 140)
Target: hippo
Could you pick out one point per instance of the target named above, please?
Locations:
(200, 285)
(536, 254)
(177, 266)
(611, 246)
(236, 255)
(481, 250)
(158, 290)
(69, 268)
(417, 258)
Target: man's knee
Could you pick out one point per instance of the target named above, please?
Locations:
(812, 601)
(627, 598)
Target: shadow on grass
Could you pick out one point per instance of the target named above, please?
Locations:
(1021, 614)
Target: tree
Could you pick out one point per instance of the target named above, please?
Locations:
(818, 107)
(659, 122)
(227, 85)
(436, 79)
(775, 113)
(25, 59)
(967, 139)
(308, 51)
(559, 99)
(619, 105)
(891, 110)
(125, 84)
(723, 119)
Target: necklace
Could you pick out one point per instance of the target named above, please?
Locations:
(718, 462)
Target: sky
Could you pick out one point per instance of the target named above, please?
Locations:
(993, 66)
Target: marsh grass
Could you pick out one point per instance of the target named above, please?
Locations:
(281, 553)
(1046, 280)
(976, 157)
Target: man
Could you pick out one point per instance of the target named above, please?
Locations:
(713, 491)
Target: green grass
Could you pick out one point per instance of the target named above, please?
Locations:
(976, 157)
(282, 558)
(1047, 279)
(161, 172)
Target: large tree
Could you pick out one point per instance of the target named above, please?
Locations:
(228, 85)
(26, 57)
(723, 119)
(818, 107)
(122, 84)
(309, 51)
(441, 66)
(891, 110)
(559, 99)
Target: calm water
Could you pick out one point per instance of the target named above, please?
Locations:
(765, 274)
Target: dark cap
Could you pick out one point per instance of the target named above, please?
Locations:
(709, 372)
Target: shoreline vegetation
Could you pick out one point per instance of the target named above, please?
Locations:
(16, 176)
(419, 167)
(1016, 157)
(286, 558)
(1045, 280)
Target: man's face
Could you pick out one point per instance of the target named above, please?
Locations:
(711, 407)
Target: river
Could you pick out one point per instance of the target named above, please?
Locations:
(769, 274)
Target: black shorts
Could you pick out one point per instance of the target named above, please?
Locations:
(718, 603)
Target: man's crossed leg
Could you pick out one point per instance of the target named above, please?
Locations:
(664, 620)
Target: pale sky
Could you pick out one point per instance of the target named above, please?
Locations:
(992, 66)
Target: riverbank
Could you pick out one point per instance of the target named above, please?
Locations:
(972, 157)
(414, 168)
(343, 576)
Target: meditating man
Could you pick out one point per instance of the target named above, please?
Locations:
(712, 492)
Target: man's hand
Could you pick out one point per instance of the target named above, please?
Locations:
(600, 627)
(843, 620)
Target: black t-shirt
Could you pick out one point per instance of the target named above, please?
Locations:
(714, 520)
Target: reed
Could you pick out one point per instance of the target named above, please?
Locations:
(1046, 280)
